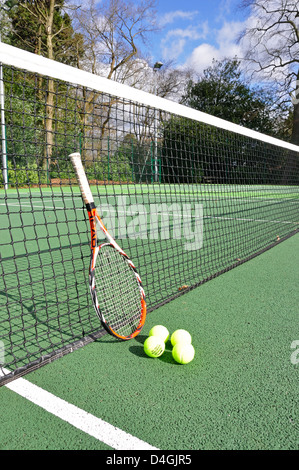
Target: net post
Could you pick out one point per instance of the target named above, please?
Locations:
(3, 130)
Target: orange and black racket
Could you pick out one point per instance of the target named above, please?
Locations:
(115, 286)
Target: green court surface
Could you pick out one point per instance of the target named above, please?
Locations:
(240, 392)
(45, 250)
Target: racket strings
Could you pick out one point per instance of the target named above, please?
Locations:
(118, 291)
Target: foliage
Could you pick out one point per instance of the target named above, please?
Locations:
(140, 157)
(193, 152)
(21, 176)
(31, 30)
(223, 92)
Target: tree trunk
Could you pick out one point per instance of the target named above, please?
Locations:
(50, 93)
(295, 131)
(49, 125)
(291, 169)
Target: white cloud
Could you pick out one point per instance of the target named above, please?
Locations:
(176, 39)
(202, 57)
(171, 16)
(228, 34)
(225, 9)
(271, 48)
(192, 32)
(173, 50)
(224, 45)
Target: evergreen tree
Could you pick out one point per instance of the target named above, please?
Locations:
(45, 28)
(222, 92)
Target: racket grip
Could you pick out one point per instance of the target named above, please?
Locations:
(81, 177)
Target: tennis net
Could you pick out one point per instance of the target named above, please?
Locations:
(186, 195)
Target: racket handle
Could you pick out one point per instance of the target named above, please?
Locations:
(81, 177)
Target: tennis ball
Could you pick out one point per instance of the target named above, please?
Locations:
(154, 346)
(180, 336)
(183, 353)
(160, 331)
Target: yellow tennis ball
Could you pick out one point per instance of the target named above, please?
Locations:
(154, 346)
(181, 336)
(160, 331)
(183, 353)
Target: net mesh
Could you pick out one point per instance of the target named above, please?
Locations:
(185, 195)
(118, 292)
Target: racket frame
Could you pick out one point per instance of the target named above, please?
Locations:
(95, 219)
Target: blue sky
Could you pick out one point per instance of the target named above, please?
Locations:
(193, 32)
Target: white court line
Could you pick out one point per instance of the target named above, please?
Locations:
(80, 419)
(33, 206)
(242, 219)
(250, 220)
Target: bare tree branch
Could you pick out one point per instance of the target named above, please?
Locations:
(272, 47)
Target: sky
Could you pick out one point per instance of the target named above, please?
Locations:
(193, 32)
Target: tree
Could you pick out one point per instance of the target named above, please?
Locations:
(113, 32)
(223, 92)
(44, 28)
(194, 151)
(272, 49)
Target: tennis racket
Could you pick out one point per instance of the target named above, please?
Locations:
(115, 286)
